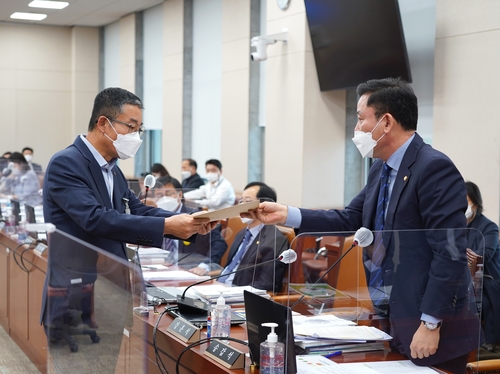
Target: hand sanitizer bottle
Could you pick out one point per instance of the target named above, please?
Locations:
(221, 318)
(272, 353)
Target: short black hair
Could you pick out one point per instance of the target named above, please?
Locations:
(192, 163)
(19, 159)
(475, 196)
(170, 180)
(215, 162)
(159, 168)
(109, 103)
(394, 96)
(27, 149)
(265, 193)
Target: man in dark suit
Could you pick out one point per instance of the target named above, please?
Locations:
(28, 155)
(191, 180)
(205, 253)
(432, 317)
(264, 244)
(86, 195)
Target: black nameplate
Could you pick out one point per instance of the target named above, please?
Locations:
(40, 248)
(225, 355)
(184, 330)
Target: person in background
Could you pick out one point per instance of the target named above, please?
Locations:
(158, 170)
(6, 154)
(255, 244)
(4, 160)
(190, 177)
(20, 182)
(28, 155)
(485, 236)
(217, 193)
(212, 245)
(417, 191)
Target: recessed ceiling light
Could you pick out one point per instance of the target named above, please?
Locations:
(48, 4)
(28, 16)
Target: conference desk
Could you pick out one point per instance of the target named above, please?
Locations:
(20, 304)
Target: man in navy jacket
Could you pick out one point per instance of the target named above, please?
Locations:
(432, 316)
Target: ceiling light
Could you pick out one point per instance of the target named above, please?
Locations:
(28, 16)
(48, 4)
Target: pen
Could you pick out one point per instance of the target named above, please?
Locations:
(333, 354)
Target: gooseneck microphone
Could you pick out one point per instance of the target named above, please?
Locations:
(363, 237)
(187, 305)
(149, 182)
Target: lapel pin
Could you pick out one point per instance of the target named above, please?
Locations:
(405, 178)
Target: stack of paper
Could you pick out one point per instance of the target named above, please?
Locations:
(179, 275)
(351, 333)
(232, 295)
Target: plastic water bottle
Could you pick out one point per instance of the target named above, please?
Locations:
(10, 223)
(478, 286)
(221, 318)
(272, 353)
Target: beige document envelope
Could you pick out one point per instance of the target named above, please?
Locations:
(232, 211)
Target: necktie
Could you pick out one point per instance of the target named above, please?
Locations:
(170, 246)
(236, 259)
(378, 245)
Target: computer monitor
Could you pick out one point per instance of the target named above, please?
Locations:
(259, 310)
(16, 210)
(30, 213)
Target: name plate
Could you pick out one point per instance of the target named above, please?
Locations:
(225, 355)
(40, 248)
(185, 331)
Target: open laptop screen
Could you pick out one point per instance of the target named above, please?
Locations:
(259, 310)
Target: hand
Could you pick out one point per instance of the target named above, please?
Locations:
(425, 342)
(198, 270)
(268, 213)
(471, 255)
(185, 225)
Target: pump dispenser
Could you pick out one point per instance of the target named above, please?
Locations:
(221, 318)
(272, 353)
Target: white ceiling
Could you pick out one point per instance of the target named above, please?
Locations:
(78, 12)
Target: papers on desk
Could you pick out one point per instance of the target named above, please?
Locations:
(351, 333)
(178, 275)
(232, 295)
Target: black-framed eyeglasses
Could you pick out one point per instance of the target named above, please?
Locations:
(131, 129)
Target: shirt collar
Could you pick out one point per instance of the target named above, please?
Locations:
(98, 157)
(394, 162)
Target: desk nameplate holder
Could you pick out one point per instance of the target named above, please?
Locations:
(185, 331)
(40, 248)
(225, 355)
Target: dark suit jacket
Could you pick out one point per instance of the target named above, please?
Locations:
(483, 239)
(428, 271)
(211, 246)
(76, 201)
(268, 245)
(193, 182)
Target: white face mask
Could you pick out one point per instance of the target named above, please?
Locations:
(212, 177)
(28, 158)
(364, 141)
(246, 221)
(168, 203)
(126, 145)
(469, 212)
(185, 175)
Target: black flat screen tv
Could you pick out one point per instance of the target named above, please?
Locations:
(357, 40)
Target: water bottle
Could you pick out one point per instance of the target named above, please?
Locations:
(10, 223)
(478, 286)
(221, 318)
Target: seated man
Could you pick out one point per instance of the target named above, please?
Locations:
(211, 246)
(190, 177)
(255, 244)
(217, 193)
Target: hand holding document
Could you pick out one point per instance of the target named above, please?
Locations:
(224, 213)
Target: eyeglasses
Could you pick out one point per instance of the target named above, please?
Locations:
(131, 129)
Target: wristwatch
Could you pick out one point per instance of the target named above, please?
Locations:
(431, 326)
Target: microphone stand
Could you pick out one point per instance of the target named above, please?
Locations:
(188, 305)
(354, 244)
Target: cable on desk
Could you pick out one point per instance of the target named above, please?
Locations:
(159, 361)
(33, 244)
(15, 259)
(205, 340)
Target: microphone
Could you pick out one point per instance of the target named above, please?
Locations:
(8, 170)
(187, 305)
(363, 237)
(149, 182)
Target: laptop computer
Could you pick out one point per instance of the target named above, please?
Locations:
(260, 310)
(156, 295)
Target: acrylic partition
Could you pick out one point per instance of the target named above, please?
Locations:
(89, 296)
(380, 279)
